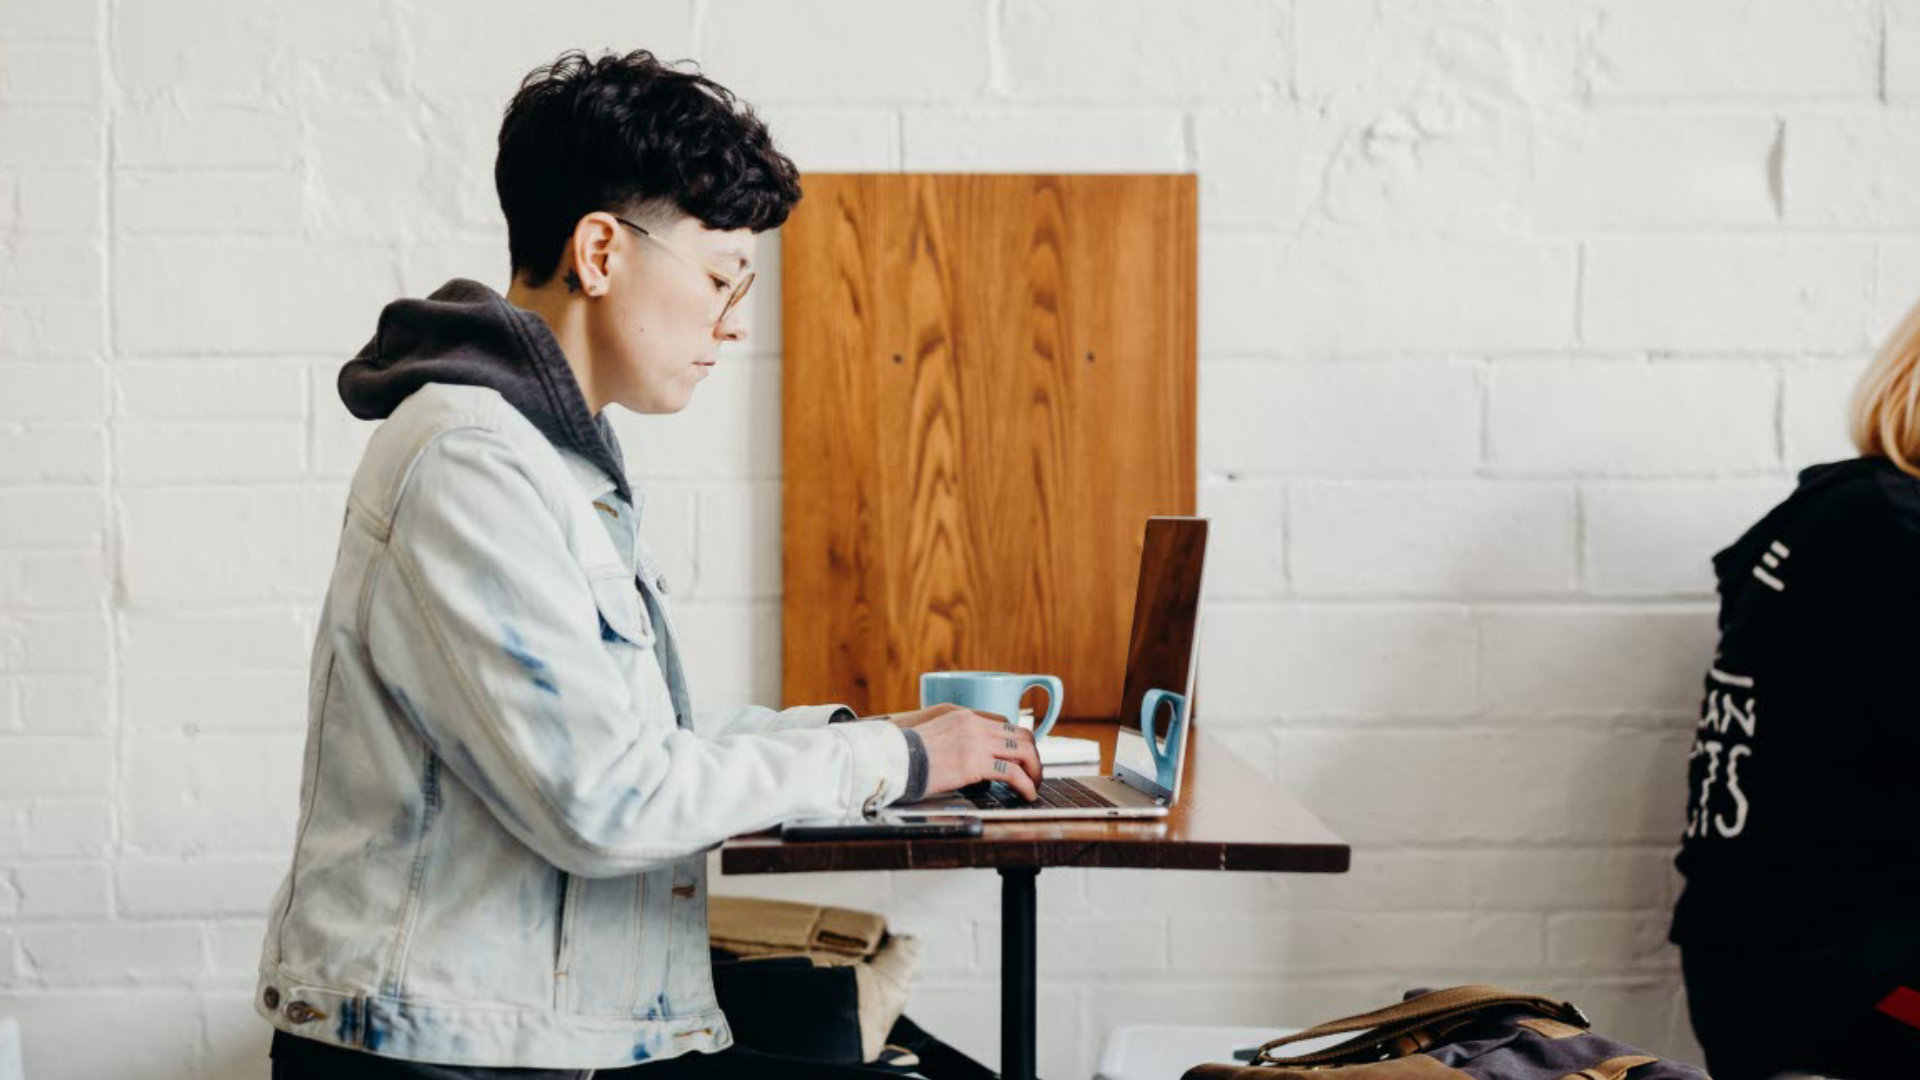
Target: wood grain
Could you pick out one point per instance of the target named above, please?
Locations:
(1229, 817)
(988, 386)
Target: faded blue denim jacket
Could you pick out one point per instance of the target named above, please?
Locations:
(506, 796)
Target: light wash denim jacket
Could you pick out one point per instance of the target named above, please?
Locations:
(506, 798)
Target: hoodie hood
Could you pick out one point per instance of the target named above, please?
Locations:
(1815, 483)
(469, 335)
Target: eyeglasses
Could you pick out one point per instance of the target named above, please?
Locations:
(738, 285)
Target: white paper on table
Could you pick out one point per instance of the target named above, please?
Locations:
(1058, 750)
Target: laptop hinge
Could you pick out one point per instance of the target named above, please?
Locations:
(1160, 796)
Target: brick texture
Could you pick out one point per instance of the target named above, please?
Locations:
(1512, 313)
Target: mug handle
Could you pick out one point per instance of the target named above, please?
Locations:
(1055, 699)
(1166, 757)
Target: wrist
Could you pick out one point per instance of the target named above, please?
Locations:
(918, 767)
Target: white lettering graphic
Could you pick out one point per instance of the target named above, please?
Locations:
(1733, 788)
(1731, 710)
(1773, 557)
(1729, 720)
(1697, 821)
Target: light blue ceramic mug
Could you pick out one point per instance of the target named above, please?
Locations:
(991, 692)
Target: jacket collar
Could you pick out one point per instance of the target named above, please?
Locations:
(594, 483)
(467, 334)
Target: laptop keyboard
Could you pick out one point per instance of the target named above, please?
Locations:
(1064, 794)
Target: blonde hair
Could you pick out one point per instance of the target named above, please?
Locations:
(1886, 401)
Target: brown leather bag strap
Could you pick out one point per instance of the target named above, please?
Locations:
(1382, 1027)
(1613, 1068)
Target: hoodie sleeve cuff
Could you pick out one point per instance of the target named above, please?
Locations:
(916, 767)
(916, 788)
(914, 777)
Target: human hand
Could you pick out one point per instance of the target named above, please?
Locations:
(965, 747)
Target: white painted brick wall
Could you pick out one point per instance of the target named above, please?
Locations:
(1772, 50)
(1775, 294)
(1650, 169)
(1512, 313)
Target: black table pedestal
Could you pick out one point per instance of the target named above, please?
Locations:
(1019, 997)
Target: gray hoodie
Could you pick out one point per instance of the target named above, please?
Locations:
(466, 334)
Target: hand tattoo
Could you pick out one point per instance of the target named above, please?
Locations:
(1011, 745)
(1000, 767)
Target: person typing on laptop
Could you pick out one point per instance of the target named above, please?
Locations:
(507, 795)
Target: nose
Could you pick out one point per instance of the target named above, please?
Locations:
(733, 327)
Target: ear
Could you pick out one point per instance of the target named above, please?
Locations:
(592, 249)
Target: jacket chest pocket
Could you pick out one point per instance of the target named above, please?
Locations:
(623, 618)
(629, 635)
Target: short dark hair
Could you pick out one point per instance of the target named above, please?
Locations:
(633, 135)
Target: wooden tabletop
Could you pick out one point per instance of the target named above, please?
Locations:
(1229, 817)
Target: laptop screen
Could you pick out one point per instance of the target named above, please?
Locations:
(1161, 654)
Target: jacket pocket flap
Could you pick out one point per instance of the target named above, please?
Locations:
(621, 613)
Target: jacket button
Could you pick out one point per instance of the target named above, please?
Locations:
(271, 997)
(302, 1013)
(660, 583)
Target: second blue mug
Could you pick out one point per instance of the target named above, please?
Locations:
(991, 692)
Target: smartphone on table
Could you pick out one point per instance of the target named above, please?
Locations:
(894, 826)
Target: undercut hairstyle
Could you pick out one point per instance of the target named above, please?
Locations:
(637, 137)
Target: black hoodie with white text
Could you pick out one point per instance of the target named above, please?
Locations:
(1800, 831)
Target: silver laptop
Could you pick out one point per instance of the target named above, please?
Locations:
(1162, 657)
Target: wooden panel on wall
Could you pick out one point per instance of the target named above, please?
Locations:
(988, 387)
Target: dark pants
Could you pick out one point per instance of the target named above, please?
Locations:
(1758, 1013)
(295, 1058)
